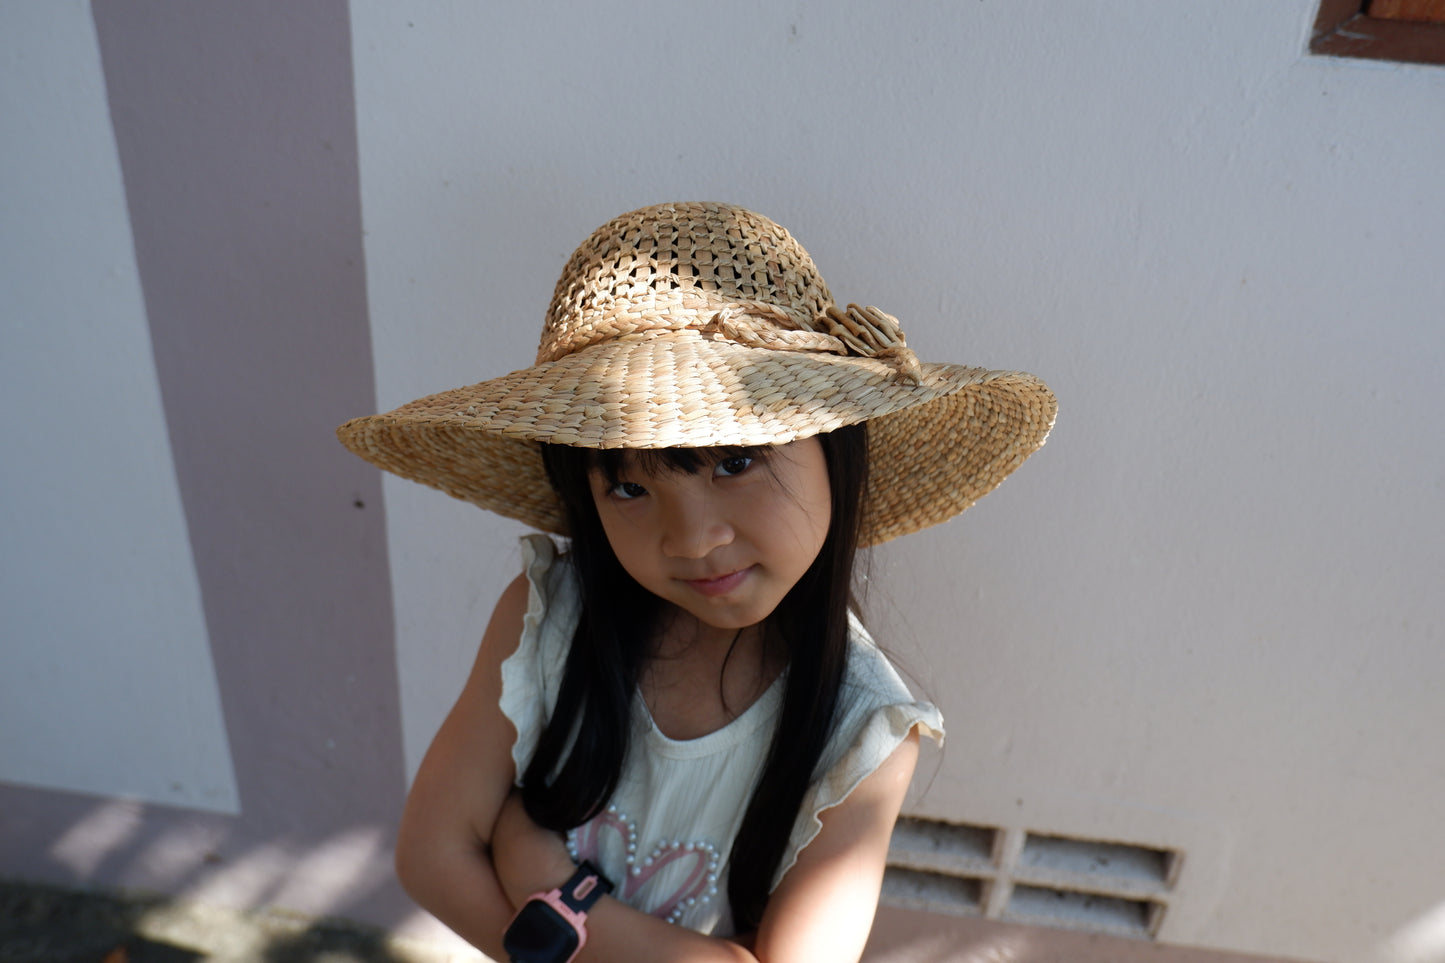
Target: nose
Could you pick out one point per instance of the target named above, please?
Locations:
(693, 526)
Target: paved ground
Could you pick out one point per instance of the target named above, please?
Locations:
(41, 924)
(44, 925)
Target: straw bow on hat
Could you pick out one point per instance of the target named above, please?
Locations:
(694, 325)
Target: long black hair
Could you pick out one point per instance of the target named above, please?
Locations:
(564, 788)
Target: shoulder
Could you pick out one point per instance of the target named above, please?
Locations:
(520, 619)
(468, 769)
(512, 603)
(823, 907)
(535, 621)
(871, 684)
(555, 592)
(876, 711)
(525, 595)
(505, 629)
(875, 734)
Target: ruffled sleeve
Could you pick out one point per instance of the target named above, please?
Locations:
(532, 675)
(876, 713)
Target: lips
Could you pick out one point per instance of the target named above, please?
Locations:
(721, 585)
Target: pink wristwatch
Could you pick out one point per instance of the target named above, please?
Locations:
(550, 927)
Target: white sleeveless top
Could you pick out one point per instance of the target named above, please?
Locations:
(666, 836)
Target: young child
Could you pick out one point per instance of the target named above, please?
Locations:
(678, 742)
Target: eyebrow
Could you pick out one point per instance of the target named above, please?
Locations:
(613, 462)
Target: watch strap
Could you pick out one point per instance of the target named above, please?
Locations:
(585, 887)
(569, 903)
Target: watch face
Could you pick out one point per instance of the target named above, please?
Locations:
(539, 934)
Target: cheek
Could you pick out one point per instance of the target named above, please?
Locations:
(822, 518)
(631, 548)
(801, 518)
(819, 501)
(617, 532)
(811, 520)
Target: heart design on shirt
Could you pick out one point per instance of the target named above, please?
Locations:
(696, 887)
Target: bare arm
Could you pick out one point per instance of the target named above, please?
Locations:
(446, 858)
(822, 910)
(470, 858)
(443, 855)
(531, 859)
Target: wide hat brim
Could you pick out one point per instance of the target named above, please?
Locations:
(936, 445)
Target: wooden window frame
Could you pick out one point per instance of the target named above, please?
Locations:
(1344, 28)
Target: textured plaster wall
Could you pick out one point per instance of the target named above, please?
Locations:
(99, 601)
(1207, 614)
(198, 692)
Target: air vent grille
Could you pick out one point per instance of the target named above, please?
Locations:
(1030, 877)
(935, 892)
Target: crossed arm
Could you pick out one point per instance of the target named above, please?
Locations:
(468, 853)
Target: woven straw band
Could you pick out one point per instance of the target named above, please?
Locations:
(696, 325)
(863, 332)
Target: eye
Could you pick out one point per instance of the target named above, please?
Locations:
(735, 465)
(627, 490)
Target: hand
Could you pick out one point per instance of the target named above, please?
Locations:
(527, 858)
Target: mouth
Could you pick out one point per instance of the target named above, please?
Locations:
(721, 585)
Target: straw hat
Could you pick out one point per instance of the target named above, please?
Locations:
(693, 325)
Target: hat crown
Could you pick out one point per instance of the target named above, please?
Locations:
(675, 267)
(698, 325)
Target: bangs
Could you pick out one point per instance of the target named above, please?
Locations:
(613, 463)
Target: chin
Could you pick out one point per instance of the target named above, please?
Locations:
(731, 618)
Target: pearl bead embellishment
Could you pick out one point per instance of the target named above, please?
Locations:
(696, 888)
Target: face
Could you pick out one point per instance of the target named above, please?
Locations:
(724, 543)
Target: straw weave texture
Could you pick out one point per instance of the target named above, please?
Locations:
(694, 325)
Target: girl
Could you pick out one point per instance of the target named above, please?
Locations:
(678, 741)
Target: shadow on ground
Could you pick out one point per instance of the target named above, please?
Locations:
(42, 924)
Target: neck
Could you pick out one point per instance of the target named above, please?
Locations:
(683, 635)
(691, 656)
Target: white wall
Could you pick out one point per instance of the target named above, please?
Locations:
(1208, 613)
(105, 666)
